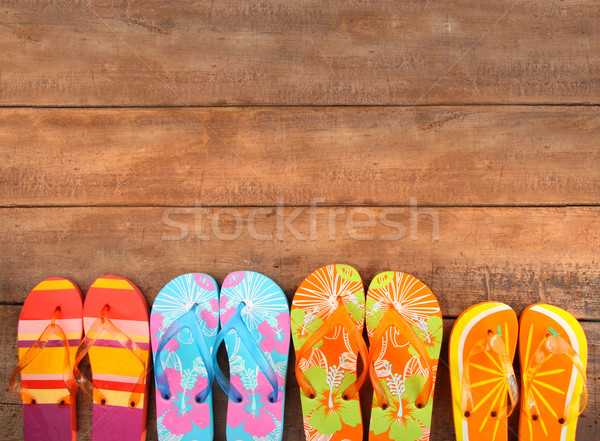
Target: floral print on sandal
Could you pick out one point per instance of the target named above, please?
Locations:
(327, 322)
(255, 322)
(183, 328)
(405, 328)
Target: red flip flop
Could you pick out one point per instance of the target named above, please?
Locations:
(49, 331)
(115, 316)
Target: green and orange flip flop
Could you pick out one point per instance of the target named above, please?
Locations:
(115, 316)
(482, 347)
(327, 315)
(553, 354)
(49, 331)
(405, 328)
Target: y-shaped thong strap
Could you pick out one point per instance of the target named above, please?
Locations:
(339, 317)
(492, 343)
(553, 346)
(392, 318)
(236, 324)
(35, 350)
(100, 325)
(190, 322)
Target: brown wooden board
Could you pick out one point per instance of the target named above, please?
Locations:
(298, 53)
(442, 425)
(338, 156)
(466, 255)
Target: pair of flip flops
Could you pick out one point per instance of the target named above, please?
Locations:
(404, 325)
(253, 315)
(553, 359)
(53, 319)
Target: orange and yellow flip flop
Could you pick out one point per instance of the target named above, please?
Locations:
(115, 317)
(327, 315)
(482, 347)
(49, 331)
(553, 354)
(405, 328)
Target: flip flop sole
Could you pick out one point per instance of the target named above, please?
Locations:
(267, 317)
(487, 379)
(181, 417)
(331, 365)
(398, 365)
(557, 382)
(43, 377)
(115, 370)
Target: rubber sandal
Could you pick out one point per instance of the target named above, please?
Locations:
(484, 388)
(183, 328)
(115, 318)
(405, 328)
(553, 355)
(49, 331)
(255, 325)
(328, 314)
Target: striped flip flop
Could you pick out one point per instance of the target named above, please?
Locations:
(255, 325)
(183, 326)
(49, 331)
(553, 355)
(117, 340)
(328, 316)
(405, 328)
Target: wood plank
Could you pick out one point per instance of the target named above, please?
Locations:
(442, 429)
(299, 53)
(466, 255)
(252, 156)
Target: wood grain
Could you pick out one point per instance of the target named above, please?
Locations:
(271, 52)
(516, 255)
(442, 425)
(345, 156)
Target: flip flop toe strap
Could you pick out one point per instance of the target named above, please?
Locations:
(100, 325)
(236, 324)
(188, 321)
(492, 344)
(339, 317)
(15, 381)
(392, 319)
(553, 345)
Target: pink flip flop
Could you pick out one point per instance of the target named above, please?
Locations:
(49, 331)
(117, 339)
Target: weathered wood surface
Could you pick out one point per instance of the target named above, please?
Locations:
(516, 255)
(442, 426)
(270, 52)
(346, 156)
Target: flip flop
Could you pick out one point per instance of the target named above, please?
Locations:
(115, 318)
(49, 331)
(255, 325)
(405, 328)
(553, 355)
(183, 328)
(328, 314)
(484, 388)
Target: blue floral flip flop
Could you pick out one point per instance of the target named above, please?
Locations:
(183, 328)
(255, 320)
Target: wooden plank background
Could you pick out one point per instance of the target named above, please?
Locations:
(266, 52)
(464, 156)
(456, 141)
